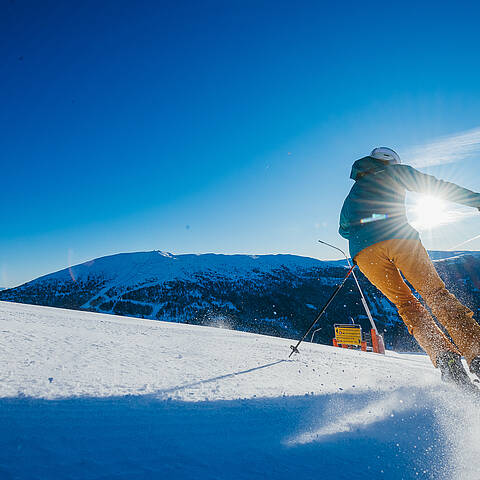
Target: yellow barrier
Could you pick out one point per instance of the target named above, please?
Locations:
(348, 335)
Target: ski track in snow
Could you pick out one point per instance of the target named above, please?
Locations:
(90, 396)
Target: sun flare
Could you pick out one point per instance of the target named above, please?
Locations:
(429, 212)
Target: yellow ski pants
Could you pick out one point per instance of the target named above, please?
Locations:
(382, 263)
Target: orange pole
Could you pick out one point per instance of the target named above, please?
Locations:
(374, 340)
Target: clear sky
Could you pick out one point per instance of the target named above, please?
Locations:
(217, 126)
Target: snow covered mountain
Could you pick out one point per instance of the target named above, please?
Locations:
(270, 294)
(90, 396)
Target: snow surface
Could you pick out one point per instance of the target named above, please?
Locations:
(92, 396)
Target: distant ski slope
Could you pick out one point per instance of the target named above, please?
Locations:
(87, 395)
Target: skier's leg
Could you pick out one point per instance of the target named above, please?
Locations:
(412, 259)
(375, 264)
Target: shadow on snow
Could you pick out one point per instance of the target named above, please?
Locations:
(348, 436)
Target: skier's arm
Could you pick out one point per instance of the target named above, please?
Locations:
(344, 223)
(415, 181)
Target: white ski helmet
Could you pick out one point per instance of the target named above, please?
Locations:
(386, 154)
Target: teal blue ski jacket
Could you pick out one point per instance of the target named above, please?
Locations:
(374, 210)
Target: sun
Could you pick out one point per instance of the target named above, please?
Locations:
(429, 212)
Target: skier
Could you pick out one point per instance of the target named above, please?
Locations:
(383, 244)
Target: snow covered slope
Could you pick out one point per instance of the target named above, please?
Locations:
(90, 396)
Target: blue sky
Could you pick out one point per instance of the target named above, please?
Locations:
(214, 126)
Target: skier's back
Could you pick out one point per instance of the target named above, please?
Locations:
(383, 244)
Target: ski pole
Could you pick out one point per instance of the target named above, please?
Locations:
(334, 294)
(379, 339)
(362, 296)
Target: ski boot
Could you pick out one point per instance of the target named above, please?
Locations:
(475, 367)
(451, 367)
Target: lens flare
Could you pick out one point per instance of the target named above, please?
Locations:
(429, 212)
